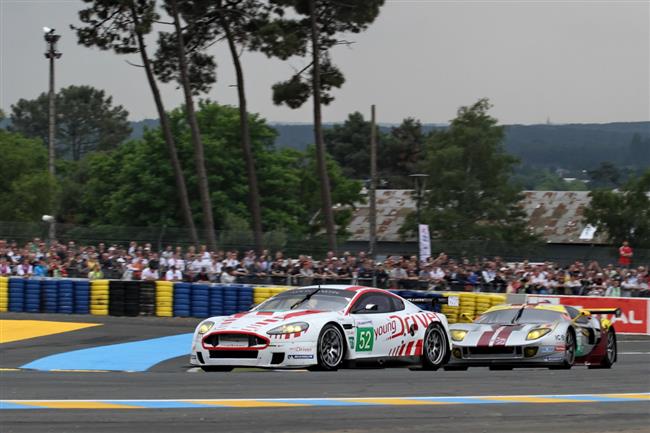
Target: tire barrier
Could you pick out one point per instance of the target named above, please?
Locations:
(4, 294)
(167, 299)
(230, 304)
(116, 293)
(216, 301)
(262, 293)
(164, 298)
(182, 299)
(81, 296)
(471, 305)
(244, 298)
(99, 297)
(32, 296)
(200, 300)
(49, 296)
(147, 298)
(65, 299)
(132, 298)
(16, 292)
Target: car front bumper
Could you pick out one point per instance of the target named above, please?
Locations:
(528, 355)
(278, 354)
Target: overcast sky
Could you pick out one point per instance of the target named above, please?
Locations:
(567, 61)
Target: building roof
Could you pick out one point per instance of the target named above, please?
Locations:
(554, 215)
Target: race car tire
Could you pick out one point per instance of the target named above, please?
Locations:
(213, 368)
(331, 349)
(455, 368)
(569, 352)
(435, 350)
(611, 352)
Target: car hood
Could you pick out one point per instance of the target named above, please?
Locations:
(261, 322)
(486, 335)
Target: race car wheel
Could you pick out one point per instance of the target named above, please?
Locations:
(569, 352)
(436, 348)
(330, 348)
(211, 368)
(610, 353)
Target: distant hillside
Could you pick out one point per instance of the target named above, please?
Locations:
(576, 146)
(137, 128)
(570, 146)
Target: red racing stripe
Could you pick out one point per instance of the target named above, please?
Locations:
(418, 348)
(407, 352)
(484, 341)
(503, 335)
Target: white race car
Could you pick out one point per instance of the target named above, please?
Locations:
(321, 327)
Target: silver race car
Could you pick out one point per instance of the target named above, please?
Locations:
(540, 335)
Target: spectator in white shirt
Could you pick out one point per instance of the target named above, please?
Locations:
(228, 276)
(173, 274)
(150, 274)
(24, 269)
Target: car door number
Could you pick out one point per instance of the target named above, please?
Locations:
(365, 339)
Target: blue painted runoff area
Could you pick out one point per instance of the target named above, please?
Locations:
(132, 356)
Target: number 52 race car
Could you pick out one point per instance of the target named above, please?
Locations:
(321, 327)
(539, 335)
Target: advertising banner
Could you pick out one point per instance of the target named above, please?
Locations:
(425, 242)
(635, 312)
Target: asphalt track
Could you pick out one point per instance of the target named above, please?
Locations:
(173, 379)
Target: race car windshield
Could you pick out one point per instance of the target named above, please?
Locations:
(528, 315)
(323, 300)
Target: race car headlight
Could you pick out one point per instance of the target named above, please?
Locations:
(458, 334)
(205, 327)
(290, 328)
(537, 333)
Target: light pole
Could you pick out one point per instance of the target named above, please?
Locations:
(51, 53)
(419, 183)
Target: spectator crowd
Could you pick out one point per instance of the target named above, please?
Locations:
(142, 262)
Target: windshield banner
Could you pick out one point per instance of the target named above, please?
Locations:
(635, 312)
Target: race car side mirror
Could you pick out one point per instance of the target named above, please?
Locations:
(367, 307)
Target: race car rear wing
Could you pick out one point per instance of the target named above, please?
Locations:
(615, 311)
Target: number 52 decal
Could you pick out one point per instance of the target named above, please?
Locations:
(365, 339)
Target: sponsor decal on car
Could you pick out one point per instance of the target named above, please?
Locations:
(547, 349)
(553, 358)
(300, 356)
(399, 326)
(386, 328)
(302, 349)
(560, 348)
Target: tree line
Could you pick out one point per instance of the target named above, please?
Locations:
(218, 162)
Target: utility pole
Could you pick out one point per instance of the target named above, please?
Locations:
(372, 192)
(51, 54)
